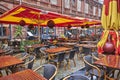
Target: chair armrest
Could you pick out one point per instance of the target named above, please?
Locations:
(17, 55)
(37, 68)
(23, 58)
(95, 67)
(66, 77)
(9, 52)
(95, 57)
(101, 55)
(29, 61)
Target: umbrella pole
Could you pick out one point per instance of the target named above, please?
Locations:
(95, 31)
(38, 32)
(39, 23)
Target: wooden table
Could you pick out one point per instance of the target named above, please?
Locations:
(53, 51)
(56, 50)
(2, 52)
(92, 42)
(35, 46)
(6, 61)
(87, 45)
(72, 40)
(112, 61)
(67, 44)
(24, 75)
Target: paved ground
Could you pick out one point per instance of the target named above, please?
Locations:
(62, 72)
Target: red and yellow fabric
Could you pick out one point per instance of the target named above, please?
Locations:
(35, 16)
(88, 21)
(111, 24)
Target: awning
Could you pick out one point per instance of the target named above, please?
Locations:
(36, 16)
(88, 21)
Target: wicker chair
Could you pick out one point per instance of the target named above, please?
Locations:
(49, 71)
(59, 58)
(92, 69)
(96, 56)
(76, 77)
(109, 71)
(52, 46)
(70, 57)
(43, 54)
(86, 51)
(29, 61)
(22, 55)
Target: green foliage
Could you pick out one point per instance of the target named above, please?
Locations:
(18, 31)
(22, 44)
(27, 42)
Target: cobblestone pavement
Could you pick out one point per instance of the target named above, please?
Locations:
(62, 72)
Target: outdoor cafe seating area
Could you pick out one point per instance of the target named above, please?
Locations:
(58, 61)
(82, 57)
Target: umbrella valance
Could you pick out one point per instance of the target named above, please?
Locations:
(35, 16)
(87, 21)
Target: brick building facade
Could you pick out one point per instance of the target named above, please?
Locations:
(76, 8)
(82, 8)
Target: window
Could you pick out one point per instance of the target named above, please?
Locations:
(67, 3)
(59, 31)
(90, 9)
(99, 12)
(53, 2)
(86, 7)
(2, 30)
(45, 0)
(73, 2)
(94, 10)
(78, 5)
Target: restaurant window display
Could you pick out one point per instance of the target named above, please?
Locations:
(87, 34)
(52, 33)
(47, 34)
(60, 31)
(71, 33)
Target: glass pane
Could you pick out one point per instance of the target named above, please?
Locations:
(53, 2)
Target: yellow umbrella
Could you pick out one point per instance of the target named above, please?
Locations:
(111, 23)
